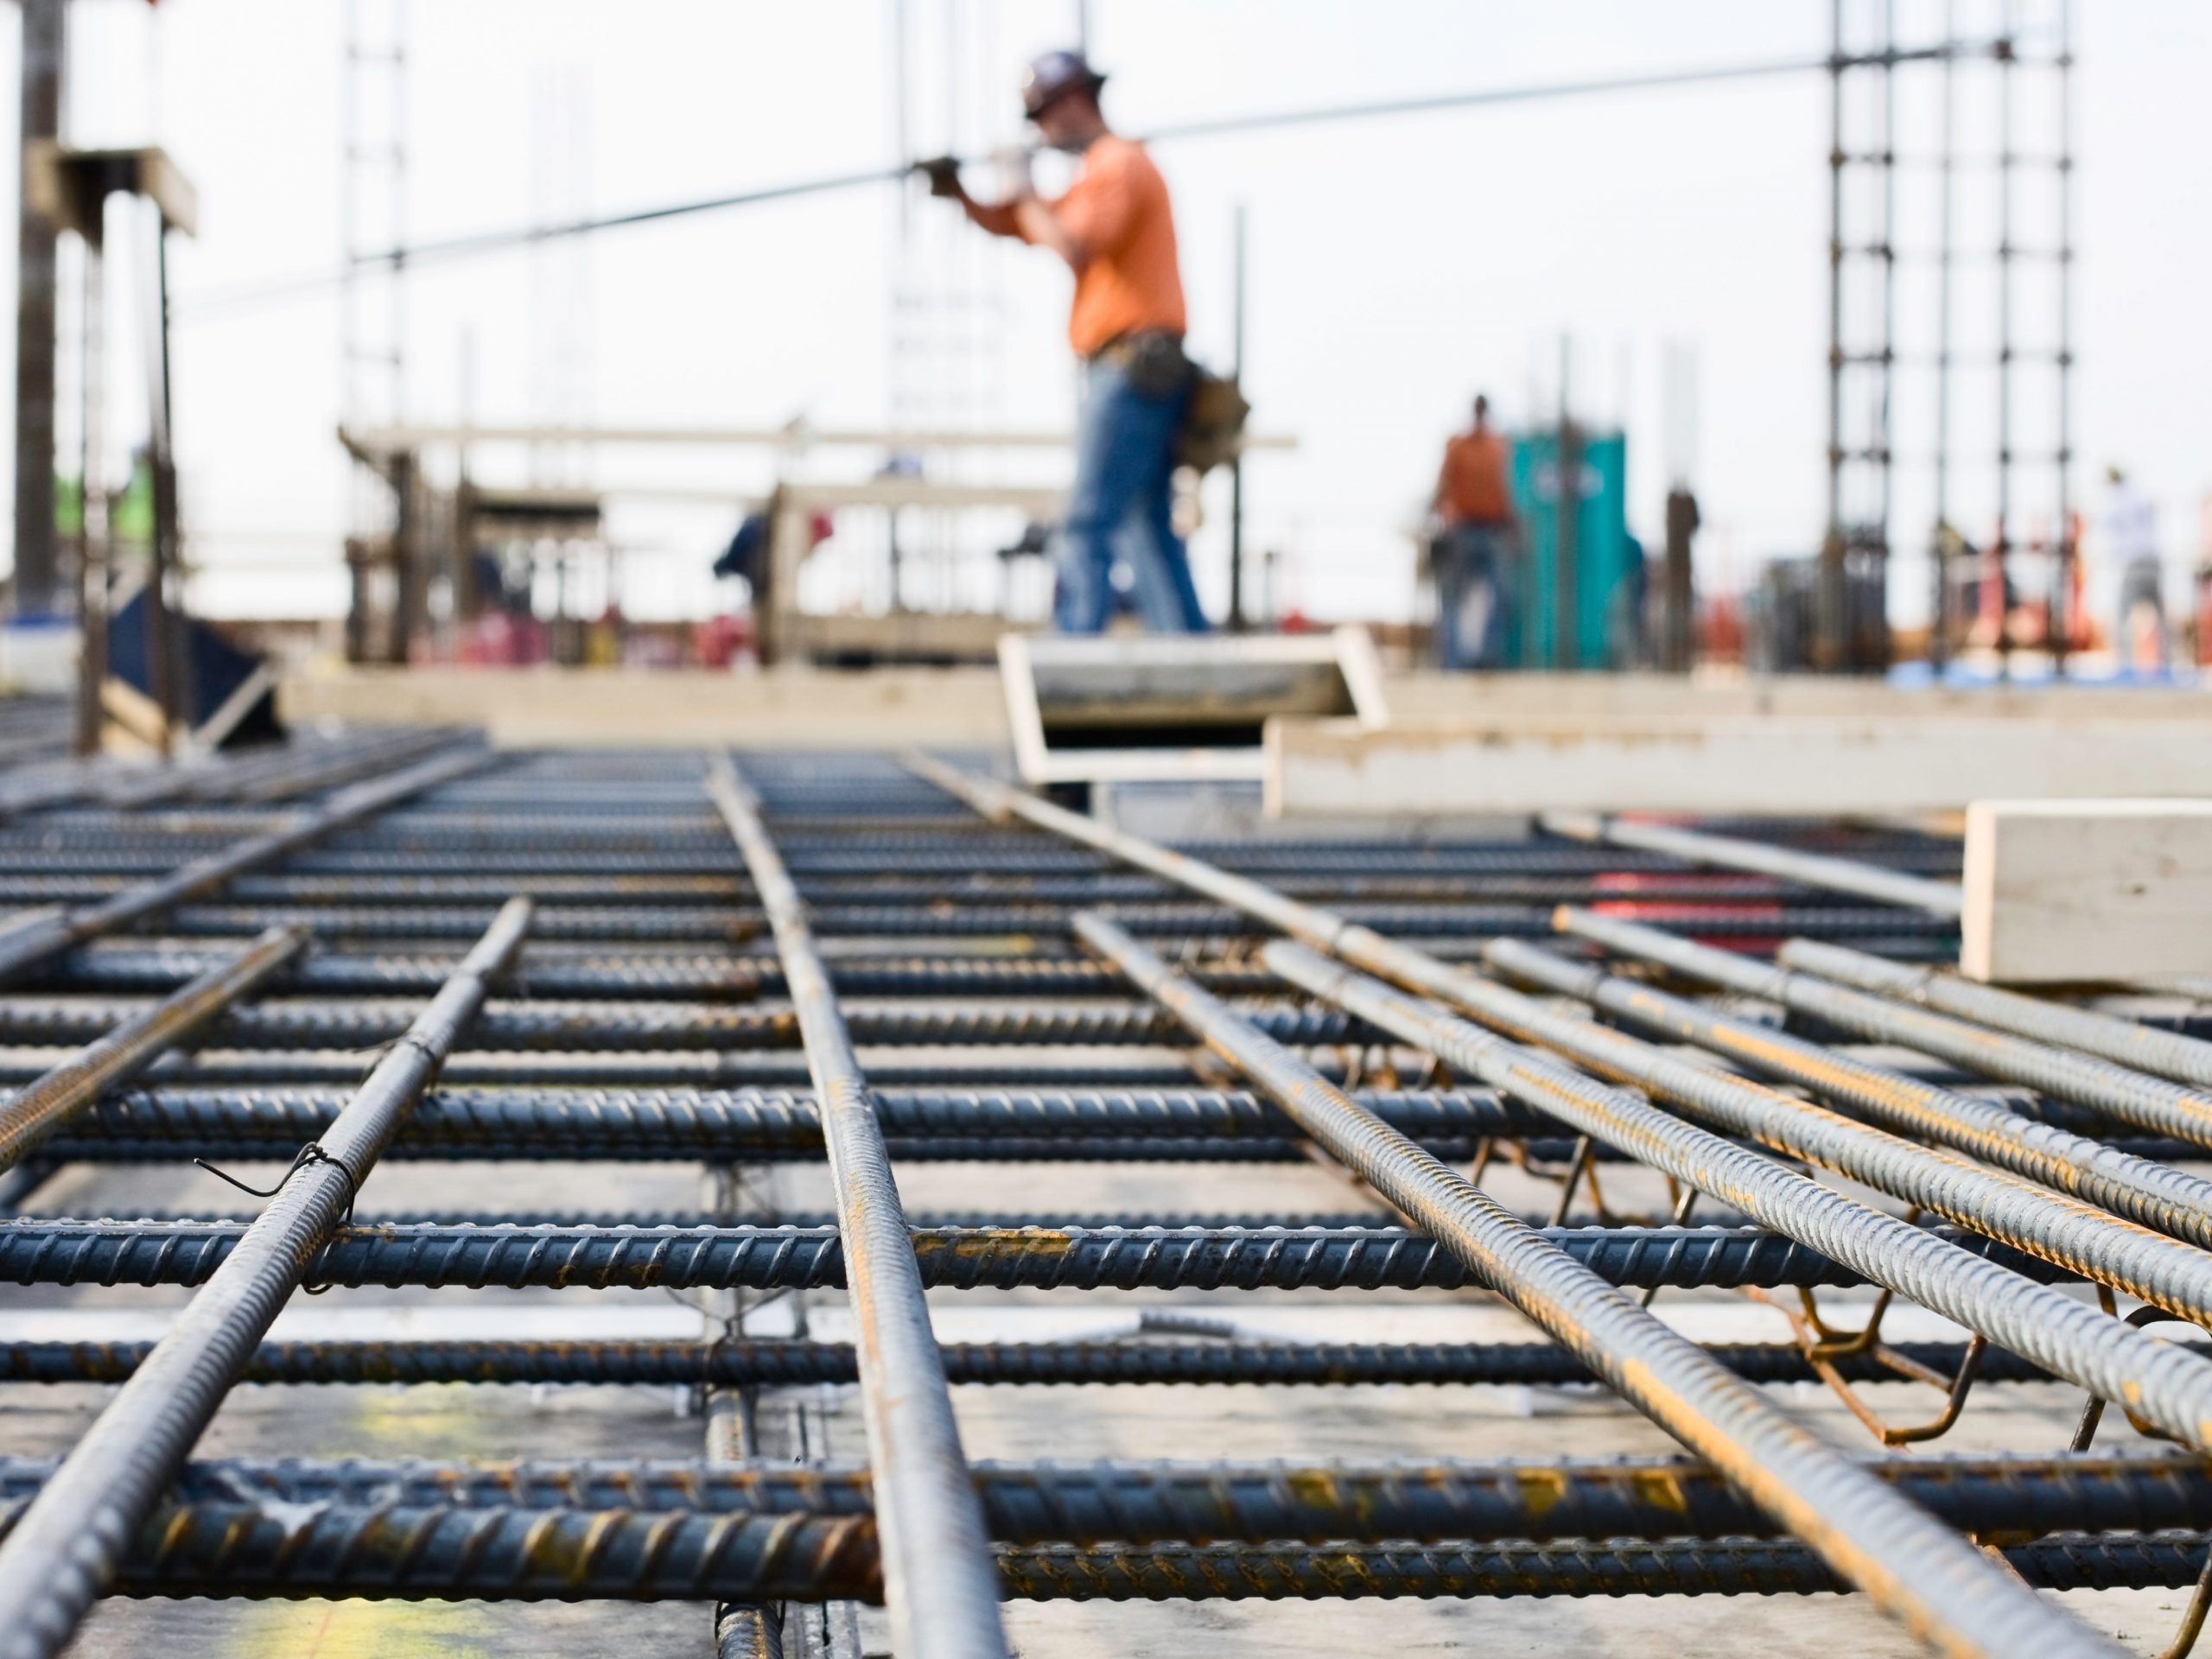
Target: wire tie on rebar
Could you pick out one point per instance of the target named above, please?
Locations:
(313, 1153)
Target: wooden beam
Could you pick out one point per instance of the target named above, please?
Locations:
(2061, 892)
(1739, 764)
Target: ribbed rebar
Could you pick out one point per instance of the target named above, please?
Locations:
(2154, 1103)
(936, 1569)
(675, 1121)
(67, 1544)
(2172, 1200)
(662, 1026)
(2072, 1338)
(764, 1364)
(1917, 1569)
(24, 948)
(186, 1253)
(32, 1116)
(2139, 1047)
(459, 1554)
(1207, 1503)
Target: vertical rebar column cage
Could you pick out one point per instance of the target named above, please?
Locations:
(1950, 347)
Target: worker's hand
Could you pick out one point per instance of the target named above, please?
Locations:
(943, 174)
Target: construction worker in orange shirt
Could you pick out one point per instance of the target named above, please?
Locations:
(1116, 232)
(1475, 552)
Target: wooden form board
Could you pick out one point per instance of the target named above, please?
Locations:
(1747, 764)
(2060, 892)
(782, 708)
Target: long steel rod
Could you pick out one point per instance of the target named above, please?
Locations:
(2132, 1097)
(2072, 1338)
(456, 1553)
(964, 1258)
(32, 1116)
(1241, 1502)
(68, 1543)
(1917, 1570)
(2172, 1200)
(1944, 899)
(2139, 1047)
(938, 1575)
(26, 947)
(776, 1364)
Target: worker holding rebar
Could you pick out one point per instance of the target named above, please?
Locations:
(1474, 552)
(1117, 232)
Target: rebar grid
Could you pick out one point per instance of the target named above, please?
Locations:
(689, 927)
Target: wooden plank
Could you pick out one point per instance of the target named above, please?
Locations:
(1772, 763)
(2068, 891)
(783, 708)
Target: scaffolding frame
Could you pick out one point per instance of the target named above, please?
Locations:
(1883, 354)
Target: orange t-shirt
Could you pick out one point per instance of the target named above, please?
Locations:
(1117, 213)
(1473, 490)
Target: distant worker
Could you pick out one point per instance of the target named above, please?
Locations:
(1475, 552)
(1115, 231)
(2131, 545)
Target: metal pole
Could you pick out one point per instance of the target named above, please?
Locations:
(43, 37)
(2005, 336)
(1828, 599)
(32, 1117)
(1914, 1568)
(1237, 619)
(66, 1545)
(2061, 609)
(1567, 525)
(1730, 852)
(1938, 637)
(91, 505)
(936, 1564)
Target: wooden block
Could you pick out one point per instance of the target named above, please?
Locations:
(2061, 892)
(1775, 764)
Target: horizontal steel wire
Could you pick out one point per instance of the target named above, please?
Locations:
(1205, 1502)
(758, 1364)
(738, 924)
(111, 1252)
(678, 1121)
(663, 1026)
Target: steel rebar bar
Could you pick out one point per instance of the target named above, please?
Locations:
(32, 1117)
(1914, 1568)
(2154, 1103)
(2072, 1338)
(68, 1542)
(936, 1569)
(1943, 899)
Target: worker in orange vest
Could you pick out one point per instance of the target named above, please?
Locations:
(1116, 232)
(1475, 551)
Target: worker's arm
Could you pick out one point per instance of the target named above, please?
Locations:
(1034, 222)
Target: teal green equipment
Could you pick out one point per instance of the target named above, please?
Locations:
(1603, 553)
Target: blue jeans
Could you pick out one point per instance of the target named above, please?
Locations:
(1473, 564)
(1120, 508)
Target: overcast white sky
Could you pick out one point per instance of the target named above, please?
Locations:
(1395, 265)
